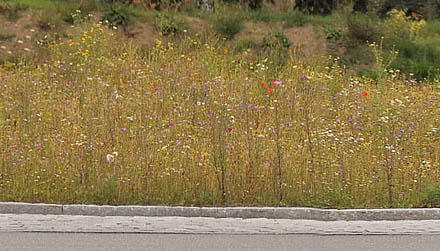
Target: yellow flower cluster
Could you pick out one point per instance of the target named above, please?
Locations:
(400, 25)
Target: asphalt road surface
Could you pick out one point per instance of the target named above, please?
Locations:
(17, 241)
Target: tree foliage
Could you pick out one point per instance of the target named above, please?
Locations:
(410, 6)
(317, 6)
(360, 6)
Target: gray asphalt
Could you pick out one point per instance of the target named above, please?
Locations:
(191, 242)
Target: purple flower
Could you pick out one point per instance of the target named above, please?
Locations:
(277, 82)
(170, 124)
(304, 76)
(123, 129)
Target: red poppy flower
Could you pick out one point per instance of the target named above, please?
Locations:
(365, 94)
(270, 90)
(229, 129)
(263, 84)
(272, 82)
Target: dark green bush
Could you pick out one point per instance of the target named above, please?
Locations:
(229, 26)
(117, 14)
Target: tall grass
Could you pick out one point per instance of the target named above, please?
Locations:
(193, 124)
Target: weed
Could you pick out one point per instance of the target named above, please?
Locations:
(383, 61)
(168, 23)
(332, 33)
(276, 40)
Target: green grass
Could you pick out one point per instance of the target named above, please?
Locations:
(36, 4)
(192, 124)
(422, 58)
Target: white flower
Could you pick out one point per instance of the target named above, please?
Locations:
(111, 157)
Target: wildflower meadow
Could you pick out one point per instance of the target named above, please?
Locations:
(192, 123)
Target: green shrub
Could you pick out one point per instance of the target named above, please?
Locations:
(332, 32)
(296, 19)
(243, 44)
(228, 26)
(118, 14)
(276, 40)
(431, 196)
(49, 19)
(400, 26)
(363, 27)
(168, 23)
(275, 47)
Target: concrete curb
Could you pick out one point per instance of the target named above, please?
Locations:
(225, 212)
